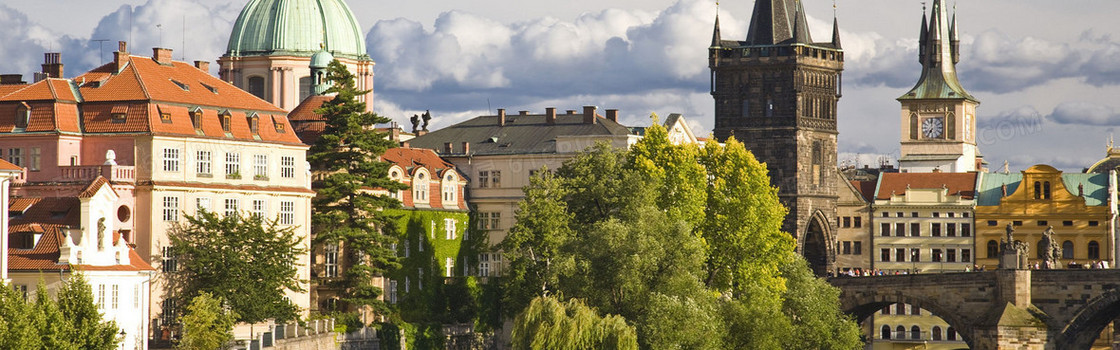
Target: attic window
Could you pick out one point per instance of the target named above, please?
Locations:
(254, 123)
(279, 124)
(118, 118)
(23, 115)
(196, 118)
(208, 87)
(185, 87)
(225, 122)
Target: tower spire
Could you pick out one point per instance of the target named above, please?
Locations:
(954, 41)
(835, 27)
(923, 38)
(776, 22)
(715, 32)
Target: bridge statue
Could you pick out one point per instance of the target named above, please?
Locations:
(1051, 249)
(1013, 254)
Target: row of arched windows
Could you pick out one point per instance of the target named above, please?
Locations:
(1093, 249)
(421, 184)
(915, 333)
(1042, 190)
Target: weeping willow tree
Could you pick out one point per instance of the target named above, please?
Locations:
(550, 324)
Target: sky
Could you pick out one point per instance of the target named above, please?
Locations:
(1047, 72)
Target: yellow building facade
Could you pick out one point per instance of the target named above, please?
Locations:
(1076, 206)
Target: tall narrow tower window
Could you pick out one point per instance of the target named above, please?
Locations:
(256, 86)
(1046, 190)
(746, 108)
(1037, 190)
(769, 107)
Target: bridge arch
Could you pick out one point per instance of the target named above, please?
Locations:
(864, 307)
(1090, 320)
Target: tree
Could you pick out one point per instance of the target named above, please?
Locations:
(245, 261)
(550, 324)
(87, 331)
(19, 322)
(55, 328)
(347, 212)
(206, 325)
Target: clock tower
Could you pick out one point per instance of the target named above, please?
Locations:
(776, 92)
(938, 115)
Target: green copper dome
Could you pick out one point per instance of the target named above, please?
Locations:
(296, 27)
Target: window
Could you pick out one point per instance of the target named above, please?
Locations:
(885, 333)
(170, 208)
(857, 248)
(226, 120)
(449, 228)
(255, 124)
(936, 214)
(936, 333)
(420, 188)
(900, 332)
(886, 310)
(484, 265)
(1017, 223)
(407, 248)
(1067, 250)
(448, 264)
(492, 178)
(165, 118)
(936, 255)
(901, 309)
(915, 332)
(900, 254)
(15, 156)
(913, 214)
(886, 215)
(202, 203)
(23, 115)
(449, 190)
(1041, 222)
(36, 158)
(915, 311)
(857, 222)
(407, 284)
(287, 213)
(118, 118)
(260, 209)
(885, 255)
(951, 229)
(115, 296)
(966, 255)
(1094, 223)
(950, 255)
(287, 167)
(935, 229)
(915, 255)
(484, 179)
(169, 311)
(900, 229)
(1094, 250)
(330, 260)
(231, 206)
(898, 214)
(885, 230)
(420, 278)
(993, 249)
(1046, 190)
(966, 230)
(170, 263)
(993, 223)
(170, 159)
(136, 296)
(392, 291)
(260, 167)
(847, 248)
(915, 229)
(196, 119)
(489, 220)
(101, 296)
(952, 334)
(1037, 190)
(746, 112)
(21, 289)
(233, 165)
(202, 164)
(256, 86)
(1067, 223)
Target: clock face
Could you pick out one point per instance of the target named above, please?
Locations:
(932, 128)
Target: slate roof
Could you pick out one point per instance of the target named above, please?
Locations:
(522, 134)
(778, 22)
(962, 184)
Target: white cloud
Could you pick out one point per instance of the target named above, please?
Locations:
(1085, 113)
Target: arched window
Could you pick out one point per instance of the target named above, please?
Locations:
(23, 115)
(885, 333)
(993, 249)
(1094, 250)
(952, 334)
(449, 190)
(915, 332)
(900, 332)
(1040, 250)
(936, 333)
(1037, 190)
(256, 86)
(420, 188)
(1067, 250)
(1046, 190)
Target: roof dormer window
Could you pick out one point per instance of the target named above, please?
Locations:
(185, 87)
(208, 87)
(254, 124)
(278, 124)
(196, 119)
(23, 115)
(226, 120)
(118, 118)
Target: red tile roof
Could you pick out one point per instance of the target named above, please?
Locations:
(308, 124)
(94, 187)
(962, 184)
(5, 165)
(42, 257)
(866, 189)
(410, 158)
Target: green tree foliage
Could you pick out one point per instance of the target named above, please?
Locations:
(548, 323)
(206, 325)
(70, 321)
(346, 213)
(55, 328)
(683, 243)
(19, 321)
(75, 303)
(245, 261)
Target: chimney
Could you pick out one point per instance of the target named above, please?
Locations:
(466, 147)
(589, 114)
(120, 58)
(404, 144)
(522, 112)
(612, 115)
(202, 65)
(448, 148)
(394, 132)
(12, 79)
(161, 55)
(550, 115)
(52, 64)
(501, 117)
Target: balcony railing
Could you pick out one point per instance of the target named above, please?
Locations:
(114, 173)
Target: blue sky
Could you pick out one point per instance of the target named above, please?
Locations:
(1047, 72)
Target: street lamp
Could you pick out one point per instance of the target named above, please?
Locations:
(123, 334)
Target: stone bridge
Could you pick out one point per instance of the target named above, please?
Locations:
(1001, 309)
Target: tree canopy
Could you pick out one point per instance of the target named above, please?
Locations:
(206, 324)
(683, 242)
(68, 321)
(246, 261)
(548, 323)
(347, 213)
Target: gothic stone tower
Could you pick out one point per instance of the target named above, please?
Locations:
(938, 115)
(776, 92)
